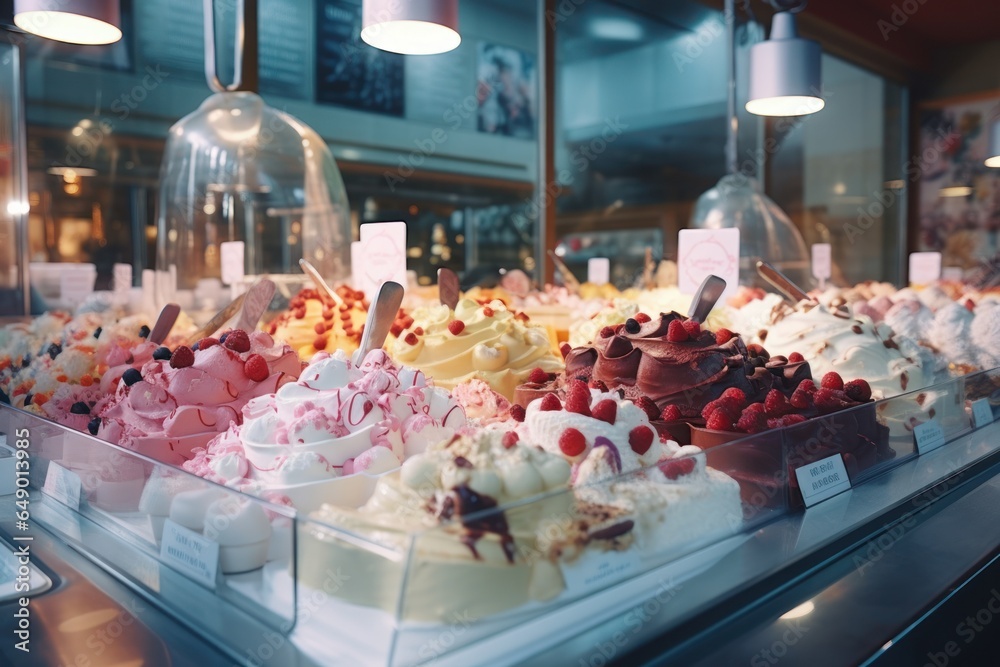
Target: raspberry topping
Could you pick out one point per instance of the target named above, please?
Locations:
(858, 390)
(723, 336)
(692, 328)
(676, 332)
(752, 421)
(597, 384)
(642, 318)
(572, 443)
(206, 343)
(640, 439)
(606, 410)
(606, 332)
(238, 341)
(538, 376)
(509, 439)
(776, 405)
(517, 413)
(550, 402)
(674, 468)
(456, 327)
(411, 339)
(182, 357)
(255, 368)
(832, 380)
(795, 358)
(719, 421)
(671, 413)
(648, 406)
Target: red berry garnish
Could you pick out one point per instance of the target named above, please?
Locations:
(807, 385)
(827, 401)
(578, 404)
(640, 439)
(606, 410)
(549, 403)
(182, 357)
(756, 407)
(795, 358)
(858, 390)
(606, 332)
(674, 468)
(419, 331)
(671, 413)
(237, 340)
(737, 395)
(255, 368)
(487, 311)
(791, 420)
(692, 328)
(801, 399)
(730, 405)
(723, 336)
(411, 338)
(538, 376)
(509, 439)
(970, 305)
(456, 327)
(676, 333)
(517, 413)
(206, 343)
(572, 443)
(832, 380)
(775, 404)
(597, 384)
(642, 318)
(648, 406)
(752, 421)
(719, 421)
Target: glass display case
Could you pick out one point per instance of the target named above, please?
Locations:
(497, 585)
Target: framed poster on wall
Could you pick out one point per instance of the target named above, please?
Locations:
(958, 196)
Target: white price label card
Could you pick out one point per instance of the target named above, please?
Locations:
(925, 267)
(823, 479)
(928, 436)
(232, 258)
(982, 413)
(63, 485)
(822, 263)
(191, 553)
(596, 570)
(122, 278)
(704, 252)
(382, 255)
(599, 270)
(356, 268)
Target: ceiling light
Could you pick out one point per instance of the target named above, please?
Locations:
(994, 150)
(79, 22)
(785, 72)
(955, 191)
(413, 27)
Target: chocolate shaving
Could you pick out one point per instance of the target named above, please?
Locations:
(856, 329)
(613, 531)
(463, 462)
(921, 397)
(904, 380)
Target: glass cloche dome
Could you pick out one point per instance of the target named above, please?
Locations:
(766, 232)
(239, 170)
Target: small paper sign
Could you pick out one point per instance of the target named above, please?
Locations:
(190, 553)
(63, 485)
(952, 273)
(599, 270)
(232, 257)
(356, 260)
(982, 413)
(122, 278)
(703, 252)
(821, 261)
(382, 255)
(925, 267)
(928, 436)
(595, 570)
(823, 479)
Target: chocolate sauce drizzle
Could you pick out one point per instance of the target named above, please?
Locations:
(461, 502)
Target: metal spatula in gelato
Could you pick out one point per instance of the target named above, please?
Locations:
(311, 271)
(792, 292)
(448, 288)
(572, 284)
(164, 323)
(705, 298)
(381, 316)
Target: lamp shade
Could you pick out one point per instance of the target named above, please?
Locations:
(993, 156)
(413, 27)
(77, 22)
(785, 72)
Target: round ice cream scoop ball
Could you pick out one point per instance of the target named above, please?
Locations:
(376, 461)
(188, 507)
(242, 530)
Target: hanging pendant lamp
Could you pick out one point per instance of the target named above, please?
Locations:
(77, 22)
(412, 27)
(785, 72)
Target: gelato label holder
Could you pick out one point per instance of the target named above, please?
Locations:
(599, 270)
(781, 283)
(380, 318)
(823, 479)
(928, 436)
(190, 553)
(710, 291)
(982, 413)
(164, 323)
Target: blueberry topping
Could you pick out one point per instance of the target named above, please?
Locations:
(131, 376)
(161, 354)
(223, 337)
(54, 350)
(97, 332)
(93, 425)
(26, 361)
(80, 408)
(194, 348)
(27, 398)
(144, 331)
(4, 398)
(632, 326)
